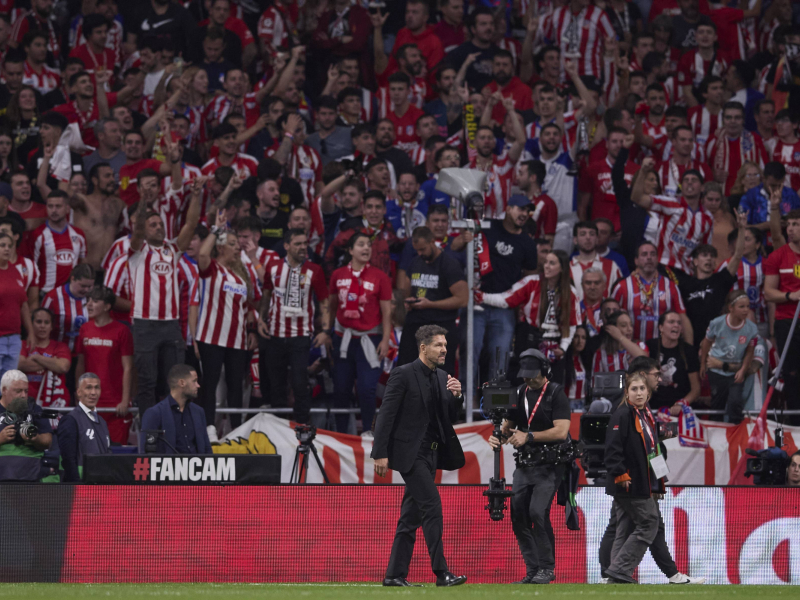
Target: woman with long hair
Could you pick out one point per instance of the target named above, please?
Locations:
(227, 293)
(361, 308)
(635, 478)
(617, 347)
(550, 305)
(575, 380)
(14, 310)
(680, 365)
(730, 338)
(748, 177)
(23, 115)
(8, 156)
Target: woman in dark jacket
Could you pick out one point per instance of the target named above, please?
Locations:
(631, 455)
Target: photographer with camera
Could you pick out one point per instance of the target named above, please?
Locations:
(25, 433)
(539, 431)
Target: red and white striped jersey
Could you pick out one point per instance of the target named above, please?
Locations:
(577, 389)
(682, 231)
(265, 256)
(704, 125)
(658, 132)
(527, 292)
(69, 312)
(589, 28)
(221, 320)
(170, 207)
(316, 236)
(750, 278)
(609, 267)
(590, 316)
(46, 81)
(789, 156)
(56, 253)
(27, 268)
(729, 155)
(29, 20)
(766, 35)
(291, 308)
(498, 184)
(119, 248)
(273, 29)
(221, 106)
(154, 281)
(692, 69)
(47, 387)
(305, 166)
(187, 279)
(416, 97)
(646, 301)
(118, 278)
(608, 362)
(417, 153)
(244, 165)
(670, 174)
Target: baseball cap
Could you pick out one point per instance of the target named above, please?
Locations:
(519, 200)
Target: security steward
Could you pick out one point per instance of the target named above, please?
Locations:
(539, 430)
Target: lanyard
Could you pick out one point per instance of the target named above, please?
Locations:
(535, 406)
(646, 427)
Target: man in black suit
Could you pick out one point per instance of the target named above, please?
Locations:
(414, 436)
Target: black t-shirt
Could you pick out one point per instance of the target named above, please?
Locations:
(479, 73)
(509, 254)
(676, 364)
(553, 407)
(176, 27)
(272, 231)
(684, 33)
(399, 159)
(704, 299)
(433, 281)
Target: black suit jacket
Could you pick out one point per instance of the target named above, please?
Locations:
(403, 420)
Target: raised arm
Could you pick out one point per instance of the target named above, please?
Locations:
(738, 252)
(192, 215)
(381, 60)
(207, 247)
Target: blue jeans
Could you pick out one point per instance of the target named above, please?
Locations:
(10, 347)
(354, 370)
(496, 325)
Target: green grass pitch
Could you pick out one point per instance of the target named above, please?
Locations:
(363, 591)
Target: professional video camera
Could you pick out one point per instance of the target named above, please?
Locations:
(24, 423)
(769, 465)
(499, 400)
(607, 390)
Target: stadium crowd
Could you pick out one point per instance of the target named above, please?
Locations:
(248, 187)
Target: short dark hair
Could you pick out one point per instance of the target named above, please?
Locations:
(328, 102)
(361, 129)
(744, 71)
(677, 111)
(583, 225)
(401, 51)
(440, 152)
(704, 249)
(733, 105)
(437, 209)
(224, 129)
(642, 364)
(376, 194)
(775, 170)
(148, 173)
(178, 372)
(251, 223)
(642, 245)
(399, 77)
(422, 233)
(55, 119)
(536, 167)
(348, 92)
(92, 22)
(426, 333)
(290, 234)
(82, 271)
(104, 294)
(93, 172)
(28, 38)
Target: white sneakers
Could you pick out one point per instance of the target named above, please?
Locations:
(681, 578)
(212, 434)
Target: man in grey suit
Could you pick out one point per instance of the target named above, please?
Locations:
(414, 436)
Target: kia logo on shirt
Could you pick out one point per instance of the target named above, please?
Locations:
(65, 257)
(161, 268)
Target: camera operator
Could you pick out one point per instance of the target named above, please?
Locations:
(21, 452)
(793, 471)
(543, 425)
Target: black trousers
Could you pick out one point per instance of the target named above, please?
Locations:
(236, 363)
(421, 506)
(790, 373)
(408, 350)
(533, 490)
(658, 549)
(289, 355)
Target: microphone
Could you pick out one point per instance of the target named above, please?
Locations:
(151, 438)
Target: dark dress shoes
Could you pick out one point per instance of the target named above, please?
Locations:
(398, 582)
(447, 579)
(544, 576)
(527, 579)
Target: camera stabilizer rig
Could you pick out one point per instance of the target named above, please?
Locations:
(305, 434)
(768, 467)
(499, 400)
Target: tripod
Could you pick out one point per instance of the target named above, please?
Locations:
(305, 435)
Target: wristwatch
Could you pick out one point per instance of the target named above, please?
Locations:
(726, 367)
(788, 299)
(529, 439)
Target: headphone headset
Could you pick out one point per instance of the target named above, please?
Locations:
(545, 364)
